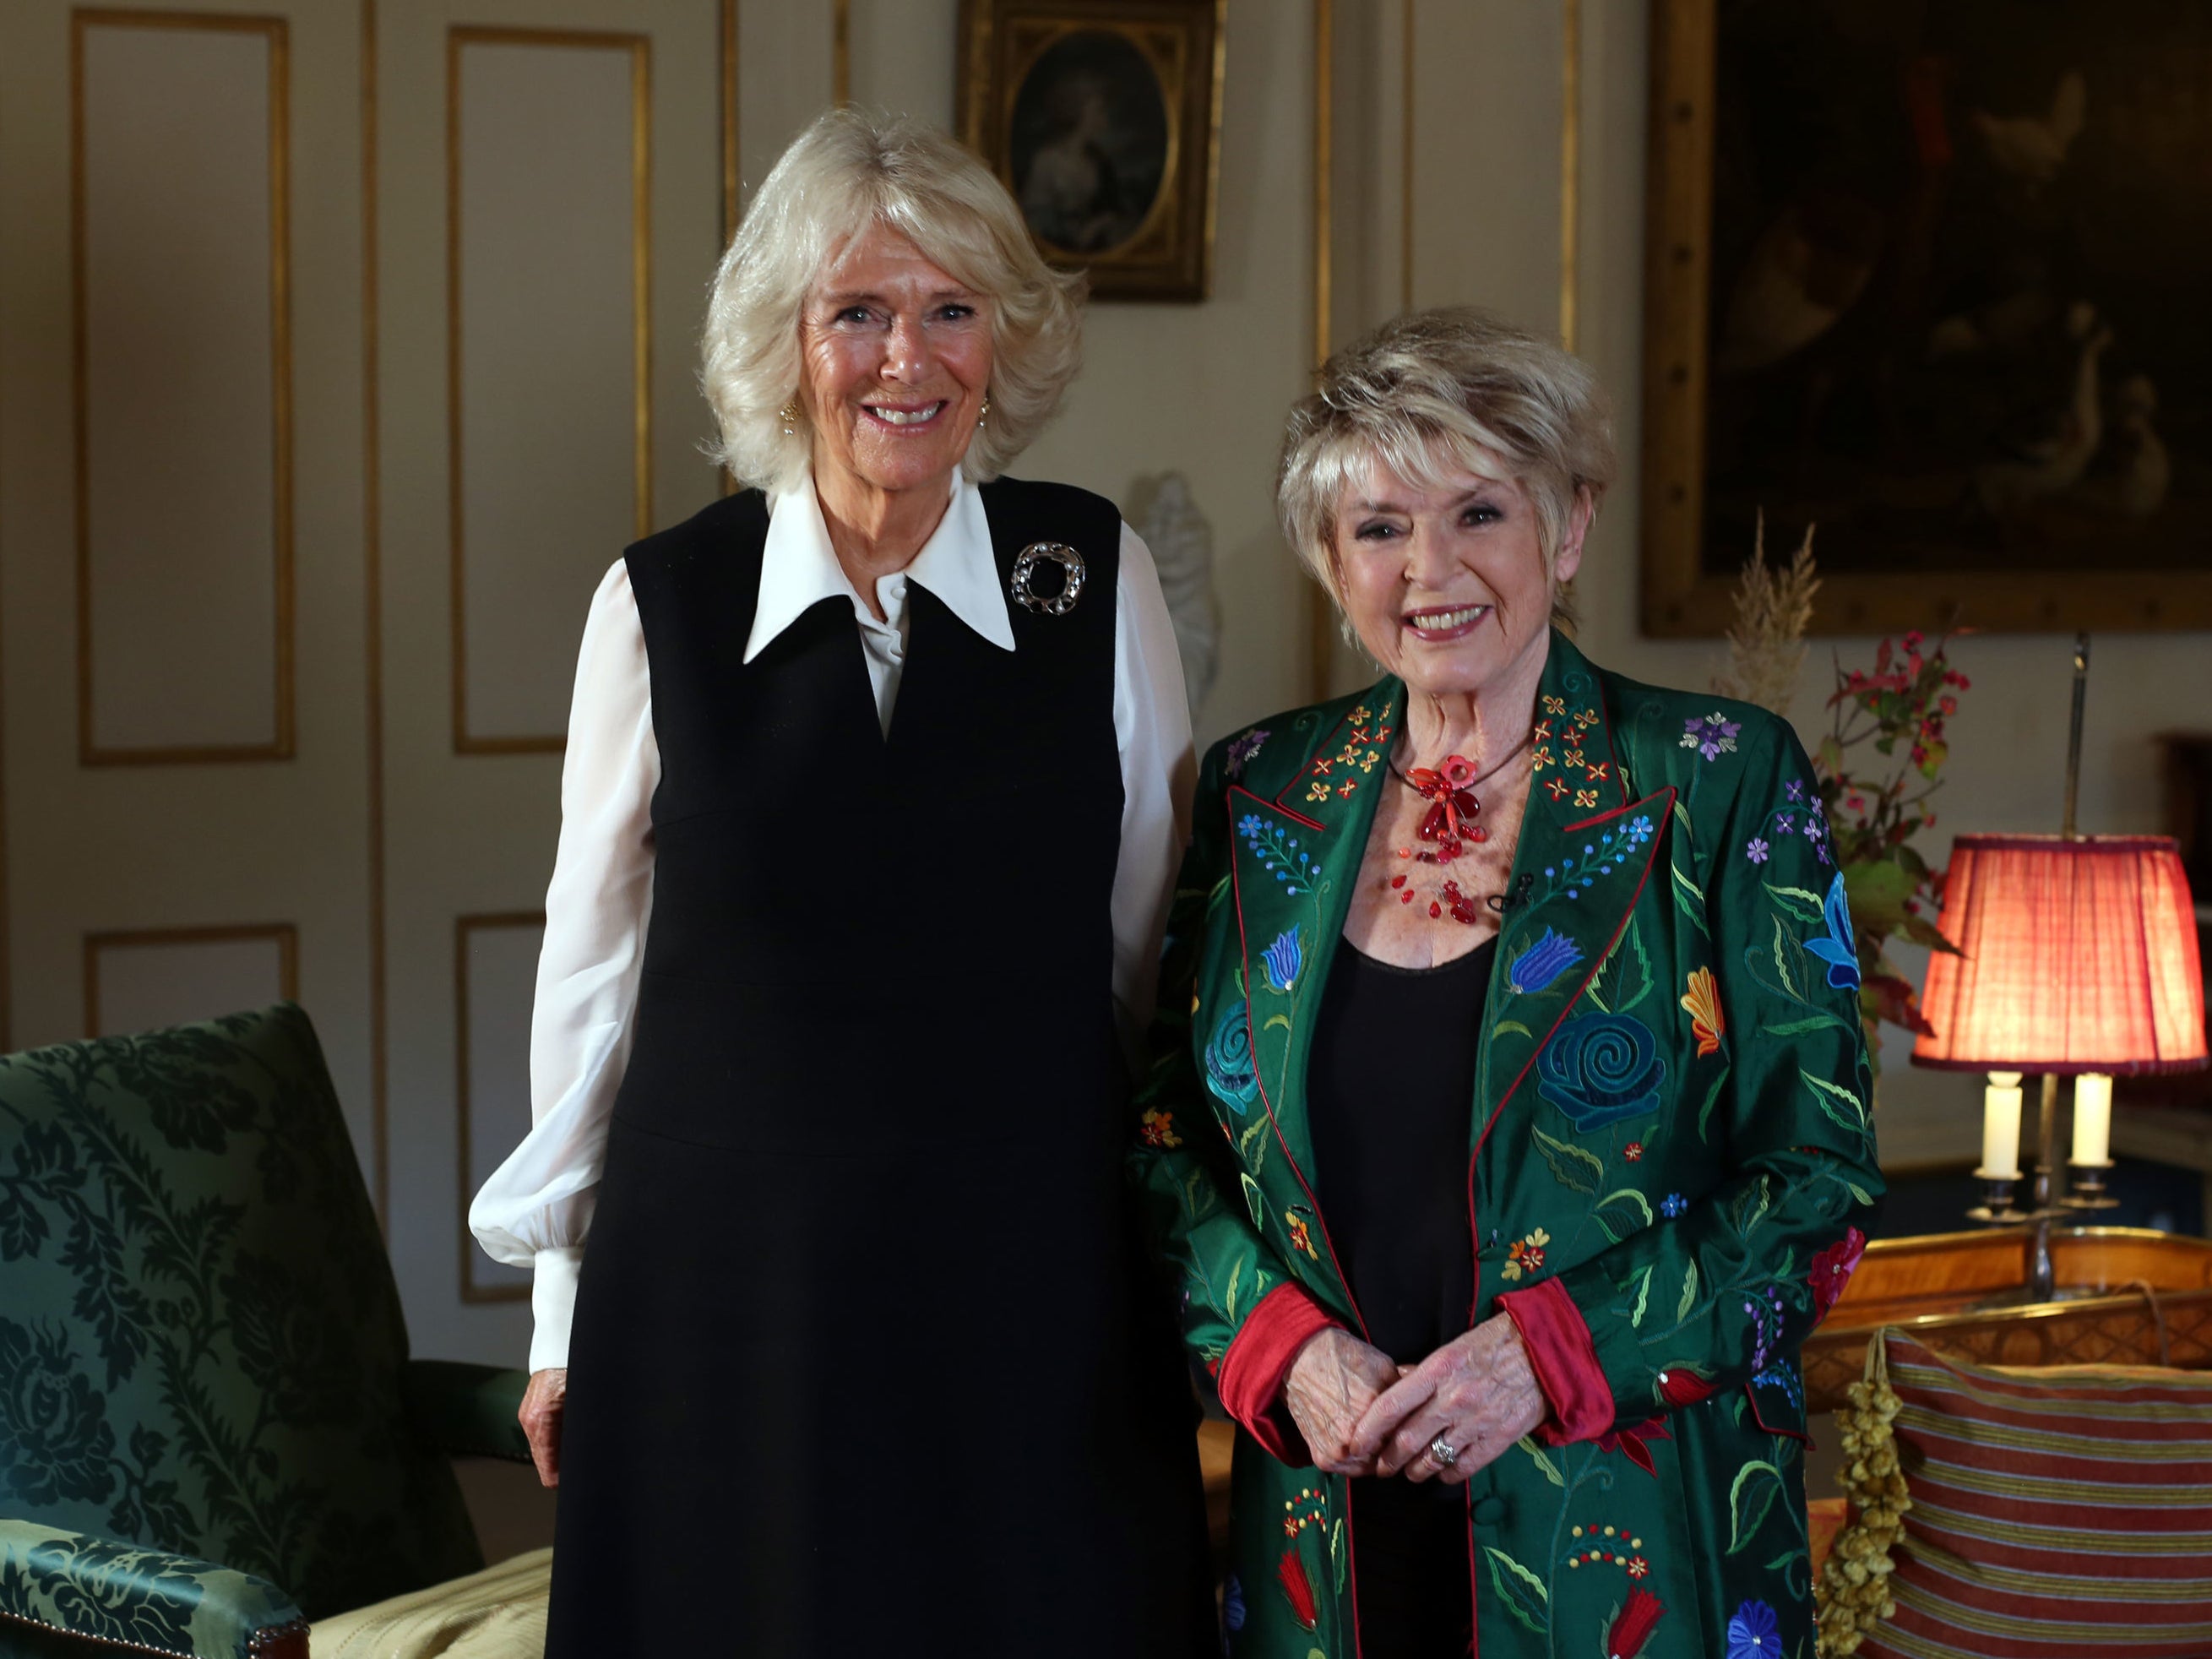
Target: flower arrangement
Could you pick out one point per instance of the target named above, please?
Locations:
(1875, 810)
(1880, 762)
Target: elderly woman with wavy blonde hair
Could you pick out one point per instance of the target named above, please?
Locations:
(871, 802)
(1518, 1130)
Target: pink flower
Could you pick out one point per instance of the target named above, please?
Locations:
(1832, 1269)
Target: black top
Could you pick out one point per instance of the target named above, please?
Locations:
(868, 1146)
(1390, 1091)
(1390, 1087)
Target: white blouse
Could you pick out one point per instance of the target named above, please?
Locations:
(537, 1207)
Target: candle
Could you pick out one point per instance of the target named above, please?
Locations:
(2001, 1127)
(2093, 1119)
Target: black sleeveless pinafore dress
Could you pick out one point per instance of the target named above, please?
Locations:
(865, 1359)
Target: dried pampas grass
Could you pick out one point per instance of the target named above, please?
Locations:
(1766, 640)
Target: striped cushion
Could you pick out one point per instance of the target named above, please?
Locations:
(2057, 1513)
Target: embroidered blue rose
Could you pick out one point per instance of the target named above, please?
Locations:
(1241, 750)
(1673, 1204)
(1599, 1069)
(1837, 950)
(1536, 967)
(1229, 1070)
(1282, 960)
(1754, 1632)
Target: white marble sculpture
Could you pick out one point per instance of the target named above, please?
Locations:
(1182, 542)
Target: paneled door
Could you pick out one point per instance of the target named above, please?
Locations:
(549, 203)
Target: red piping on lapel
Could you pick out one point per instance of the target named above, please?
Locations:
(1244, 950)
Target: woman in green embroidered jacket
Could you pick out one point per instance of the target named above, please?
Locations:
(1521, 1124)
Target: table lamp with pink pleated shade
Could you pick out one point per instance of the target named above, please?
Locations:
(2078, 959)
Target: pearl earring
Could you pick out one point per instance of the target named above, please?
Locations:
(791, 418)
(985, 411)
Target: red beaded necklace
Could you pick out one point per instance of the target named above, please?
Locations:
(1450, 824)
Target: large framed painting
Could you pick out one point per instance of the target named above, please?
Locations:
(1938, 280)
(1103, 117)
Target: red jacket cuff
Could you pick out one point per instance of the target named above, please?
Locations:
(1565, 1359)
(1250, 1380)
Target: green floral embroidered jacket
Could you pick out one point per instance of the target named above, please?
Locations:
(1669, 1145)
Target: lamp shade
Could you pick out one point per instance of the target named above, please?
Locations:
(2079, 956)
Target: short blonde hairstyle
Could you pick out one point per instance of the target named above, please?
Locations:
(850, 169)
(1432, 395)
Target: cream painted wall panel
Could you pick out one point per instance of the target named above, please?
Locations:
(142, 985)
(181, 392)
(495, 979)
(783, 78)
(903, 56)
(92, 850)
(547, 346)
(470, 834)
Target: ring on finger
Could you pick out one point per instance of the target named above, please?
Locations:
(1443, 1453)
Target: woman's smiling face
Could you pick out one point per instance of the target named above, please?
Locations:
(896, 359)
(1446, 586)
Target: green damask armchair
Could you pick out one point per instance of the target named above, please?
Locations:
(210, 1431)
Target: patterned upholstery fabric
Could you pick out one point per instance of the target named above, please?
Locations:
(200, 1345)
(2056, 1511)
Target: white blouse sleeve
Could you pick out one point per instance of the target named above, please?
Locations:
(537, 1207)
(1152, 722)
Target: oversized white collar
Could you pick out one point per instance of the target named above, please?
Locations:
(800, 569)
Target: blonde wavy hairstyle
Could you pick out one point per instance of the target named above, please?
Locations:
(1435, 395)
(852, 169)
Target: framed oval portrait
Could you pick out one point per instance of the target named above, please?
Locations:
(1103, 118)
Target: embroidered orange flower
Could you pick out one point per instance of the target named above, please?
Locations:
(1540, 759)
(1300, 1237)
(1543, 731)
(1525, 1254)
(1586, 718)
(1637, 1566)
(1344, 790)
(1555, 705)
(1575, 758)
(1702, 1002)
(1322, 767)
(1317, 790)
(1557, 786)
(1597, 774)
(1158, 1129)
(1633, 1153)
(1585, 797)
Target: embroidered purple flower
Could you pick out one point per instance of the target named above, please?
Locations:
(1814, 828)
(1673, 1204)
(1283, 960)
(1795, 788)
(1785, 824)
(1756, 850)
(1536, 967)
(1241, 750)
(1754, 1632)
(1711, 735)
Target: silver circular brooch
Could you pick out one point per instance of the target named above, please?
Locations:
(1073, 574)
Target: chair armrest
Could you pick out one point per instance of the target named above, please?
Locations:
(465, 1410)
(145, 1599)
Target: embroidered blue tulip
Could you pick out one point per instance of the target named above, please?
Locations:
(1836, 950)
(1543, 961)
(1232, 1604)
(1754, 1632)
(1228, 1071)
(1599, 1069)
(1283, 959)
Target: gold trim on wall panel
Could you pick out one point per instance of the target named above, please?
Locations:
(840, 53)
(728, 46)
(372, 539)
(1571, 169)
(285, 934)
(1405, 160)
(282, 745)
(471, 1293)
(640, 48)
(1321, 615)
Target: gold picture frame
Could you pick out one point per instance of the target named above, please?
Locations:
(1104, 118)
(1971, 284)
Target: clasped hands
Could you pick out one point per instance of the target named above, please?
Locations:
(1364, 1414)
